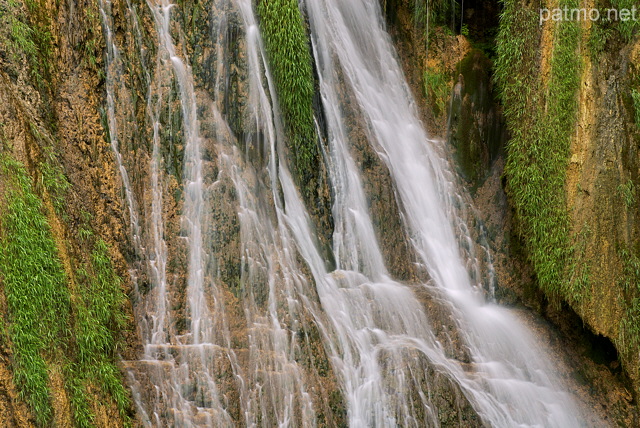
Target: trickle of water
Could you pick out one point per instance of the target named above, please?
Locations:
(113, 79)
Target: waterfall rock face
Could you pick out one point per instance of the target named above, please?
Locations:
(291, 257)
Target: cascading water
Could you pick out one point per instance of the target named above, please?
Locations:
(391, 365)
(512, 383)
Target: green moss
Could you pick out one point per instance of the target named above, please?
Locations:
(541, 120)
(436, 86)
(287, 47)
(35, 286)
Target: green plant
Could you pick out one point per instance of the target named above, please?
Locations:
(90, 45)
(541, 117)
(435, 13)
(628, 338)
(22, 36)
(598, 37)
(45, 324)
(84, 234)
(464, 30)
(287, 46)
(436, 86)
(630, 280)
(579, 271)
(77, 387)
(629, 27)
(31, 36)
(85, 216)
(52, 179)
(35, 286)
(99, 316)
(627, 192)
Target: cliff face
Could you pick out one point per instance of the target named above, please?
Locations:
(59, 176)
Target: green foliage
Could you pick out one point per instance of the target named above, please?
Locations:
(99, 317)
(464, 30)
(579, 271)
(627, 192)
(101, 313)
(630, 280)
(35, 286)
(436, 86)
(84, 234)
(287, 46)
(90, 45)
(22, 36)
(541, 120)
(31, 37)
(598, 38)
(43, 316)
(82, 414)
(627, 28)
(435, 13)
(611, 23)
(53, 179)
(629, 334)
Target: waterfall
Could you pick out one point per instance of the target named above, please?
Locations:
(241, 357)
(512, 382)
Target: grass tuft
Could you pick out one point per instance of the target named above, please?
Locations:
(287, 47)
